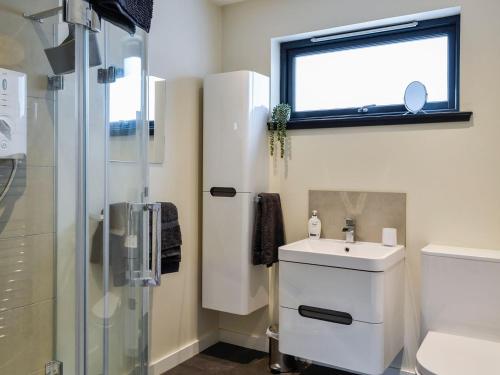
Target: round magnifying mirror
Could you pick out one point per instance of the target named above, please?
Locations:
(415, 97)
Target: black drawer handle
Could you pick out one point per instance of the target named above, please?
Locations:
(331, 316)
(223, 192)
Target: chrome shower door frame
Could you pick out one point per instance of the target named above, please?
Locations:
(82, 256)
(146, 277)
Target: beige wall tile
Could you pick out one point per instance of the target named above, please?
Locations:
(372, 212)
(22, 42)
(26, 270)
(28, 208)
(40, 138)
(26, 333)
(26, 338)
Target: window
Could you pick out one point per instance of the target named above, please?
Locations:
(366, 72)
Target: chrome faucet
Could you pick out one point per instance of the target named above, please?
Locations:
(349, 229)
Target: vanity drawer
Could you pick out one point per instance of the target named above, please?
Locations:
(357, 347)
(358, 293)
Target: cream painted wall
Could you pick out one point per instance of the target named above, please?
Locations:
(449, 171)
(185, 46)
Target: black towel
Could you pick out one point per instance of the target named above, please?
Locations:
(171, 238)
(126, 14)
(269, 233)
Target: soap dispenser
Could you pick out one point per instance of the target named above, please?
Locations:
(314, 226)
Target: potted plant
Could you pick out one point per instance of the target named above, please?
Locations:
(277, 127)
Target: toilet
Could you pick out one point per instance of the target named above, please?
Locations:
(460, 312)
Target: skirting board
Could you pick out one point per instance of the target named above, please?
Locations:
(255, 342)
(181, 355)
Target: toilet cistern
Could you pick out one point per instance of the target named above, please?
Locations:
(349, 229)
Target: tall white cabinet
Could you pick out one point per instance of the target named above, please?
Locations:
(235, 170)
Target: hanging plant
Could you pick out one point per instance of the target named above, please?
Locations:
(277, 129)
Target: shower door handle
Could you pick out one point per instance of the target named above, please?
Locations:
(145, 265)
(155, 245)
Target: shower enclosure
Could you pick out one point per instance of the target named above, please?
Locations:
(79, 237)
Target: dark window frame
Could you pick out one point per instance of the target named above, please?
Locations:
(449, 26)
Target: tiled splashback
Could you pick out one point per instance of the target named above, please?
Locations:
(372, 212)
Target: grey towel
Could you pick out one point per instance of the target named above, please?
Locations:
(126, 14)
(171, 238)
(269, 233)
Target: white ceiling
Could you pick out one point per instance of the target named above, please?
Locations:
(226, 2)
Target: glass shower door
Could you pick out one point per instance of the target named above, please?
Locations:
(131, 271)
(114, 223)
(75, 261)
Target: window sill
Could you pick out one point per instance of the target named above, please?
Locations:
(372, 120)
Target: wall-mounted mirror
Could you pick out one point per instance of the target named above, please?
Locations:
(123, 106)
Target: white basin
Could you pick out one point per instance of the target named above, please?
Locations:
(365, 256)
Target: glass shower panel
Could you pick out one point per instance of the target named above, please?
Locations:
(66, 210)
(115, 304)
(128, 136)
(74, 243)
(81, 196)
(116, 301)
(97, 276)
(27, 210)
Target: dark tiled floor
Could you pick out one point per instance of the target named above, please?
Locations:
(228, 359)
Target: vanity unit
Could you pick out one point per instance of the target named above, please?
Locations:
(342, 304)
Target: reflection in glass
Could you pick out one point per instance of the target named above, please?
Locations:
(125, 93)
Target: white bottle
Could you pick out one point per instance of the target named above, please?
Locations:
(314, 226)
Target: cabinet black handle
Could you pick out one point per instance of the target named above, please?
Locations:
(331, 316)
(223, 192)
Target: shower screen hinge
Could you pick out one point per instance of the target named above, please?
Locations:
(54, 368)
(76, 12)
(80, 12)
(55, 83)
(109, 75)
